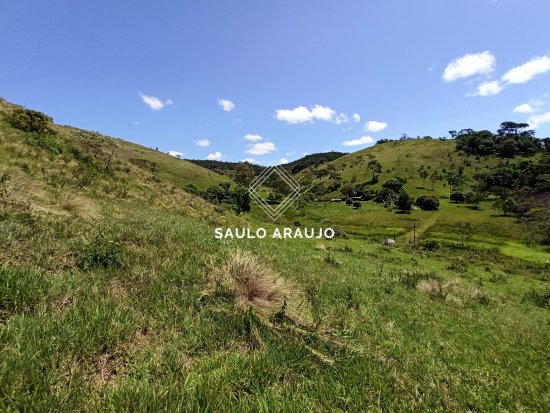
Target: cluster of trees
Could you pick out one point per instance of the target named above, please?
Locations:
(510, 140)
(225, 168)
(391, 195)
(238, 198)
(311, 160)
(230, 168)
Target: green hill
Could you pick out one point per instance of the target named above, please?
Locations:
(406, 158)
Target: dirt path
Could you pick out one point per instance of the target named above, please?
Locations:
(422, 226)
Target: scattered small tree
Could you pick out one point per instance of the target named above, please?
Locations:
(464, 230)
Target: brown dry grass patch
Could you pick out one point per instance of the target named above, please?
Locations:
(252, 283)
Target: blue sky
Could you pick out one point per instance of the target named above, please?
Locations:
(272, 80)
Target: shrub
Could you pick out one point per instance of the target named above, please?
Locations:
(30, 120)
(430, 244)
(539, 298)
(458, 197)
(427, 203)
(356, 204)
(101, 252)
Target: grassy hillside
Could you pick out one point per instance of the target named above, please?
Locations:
(158, 164)
(404, 159)
(116, 296)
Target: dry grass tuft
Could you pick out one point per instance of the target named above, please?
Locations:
(78, 206)
(431, 288)
(321, 247)
(252, 283)
(454, 292)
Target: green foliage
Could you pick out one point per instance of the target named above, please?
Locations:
(356, 204)
(430, 244)
(404, 202)
(394, 184)
(101, 252)
(30, 121)
(541, 298)
(240, 200)
(427, 203)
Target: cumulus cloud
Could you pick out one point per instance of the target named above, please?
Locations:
(469, 65)
(283, 161)
(524, 108)
(536, 120)
(175, 154)
(251, 160)
(364, 140)
(226, 104)
(216, 156)
(252, 137)
(375, 126)
(155, 103)
(261, 148)
(528, 70)
(203, 142)
(356, 117)
(489, 88)
(302, 114)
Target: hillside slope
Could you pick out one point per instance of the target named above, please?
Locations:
(160, 165)
(405, 159)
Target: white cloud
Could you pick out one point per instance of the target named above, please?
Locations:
(175, 154)
(252, 137)
(528, 70)
(301, 114)
(283, 161)
(356, 117)
(226, 104)
(323, 113)
(154, 102)
(364, 140)
(341, 118)
(203, 142)
(375, 126)
(216, 156)
(536, 120)
(489, 88)
(251, 160)
(469, 65)
(261, 148)
(524, 108)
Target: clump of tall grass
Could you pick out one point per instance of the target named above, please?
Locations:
(251, 283)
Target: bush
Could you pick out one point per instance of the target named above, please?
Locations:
(30, 120)
(430, 244)
(427, 203)
(458, 197)
(539, 298)
(101, 252)
(356, 204)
